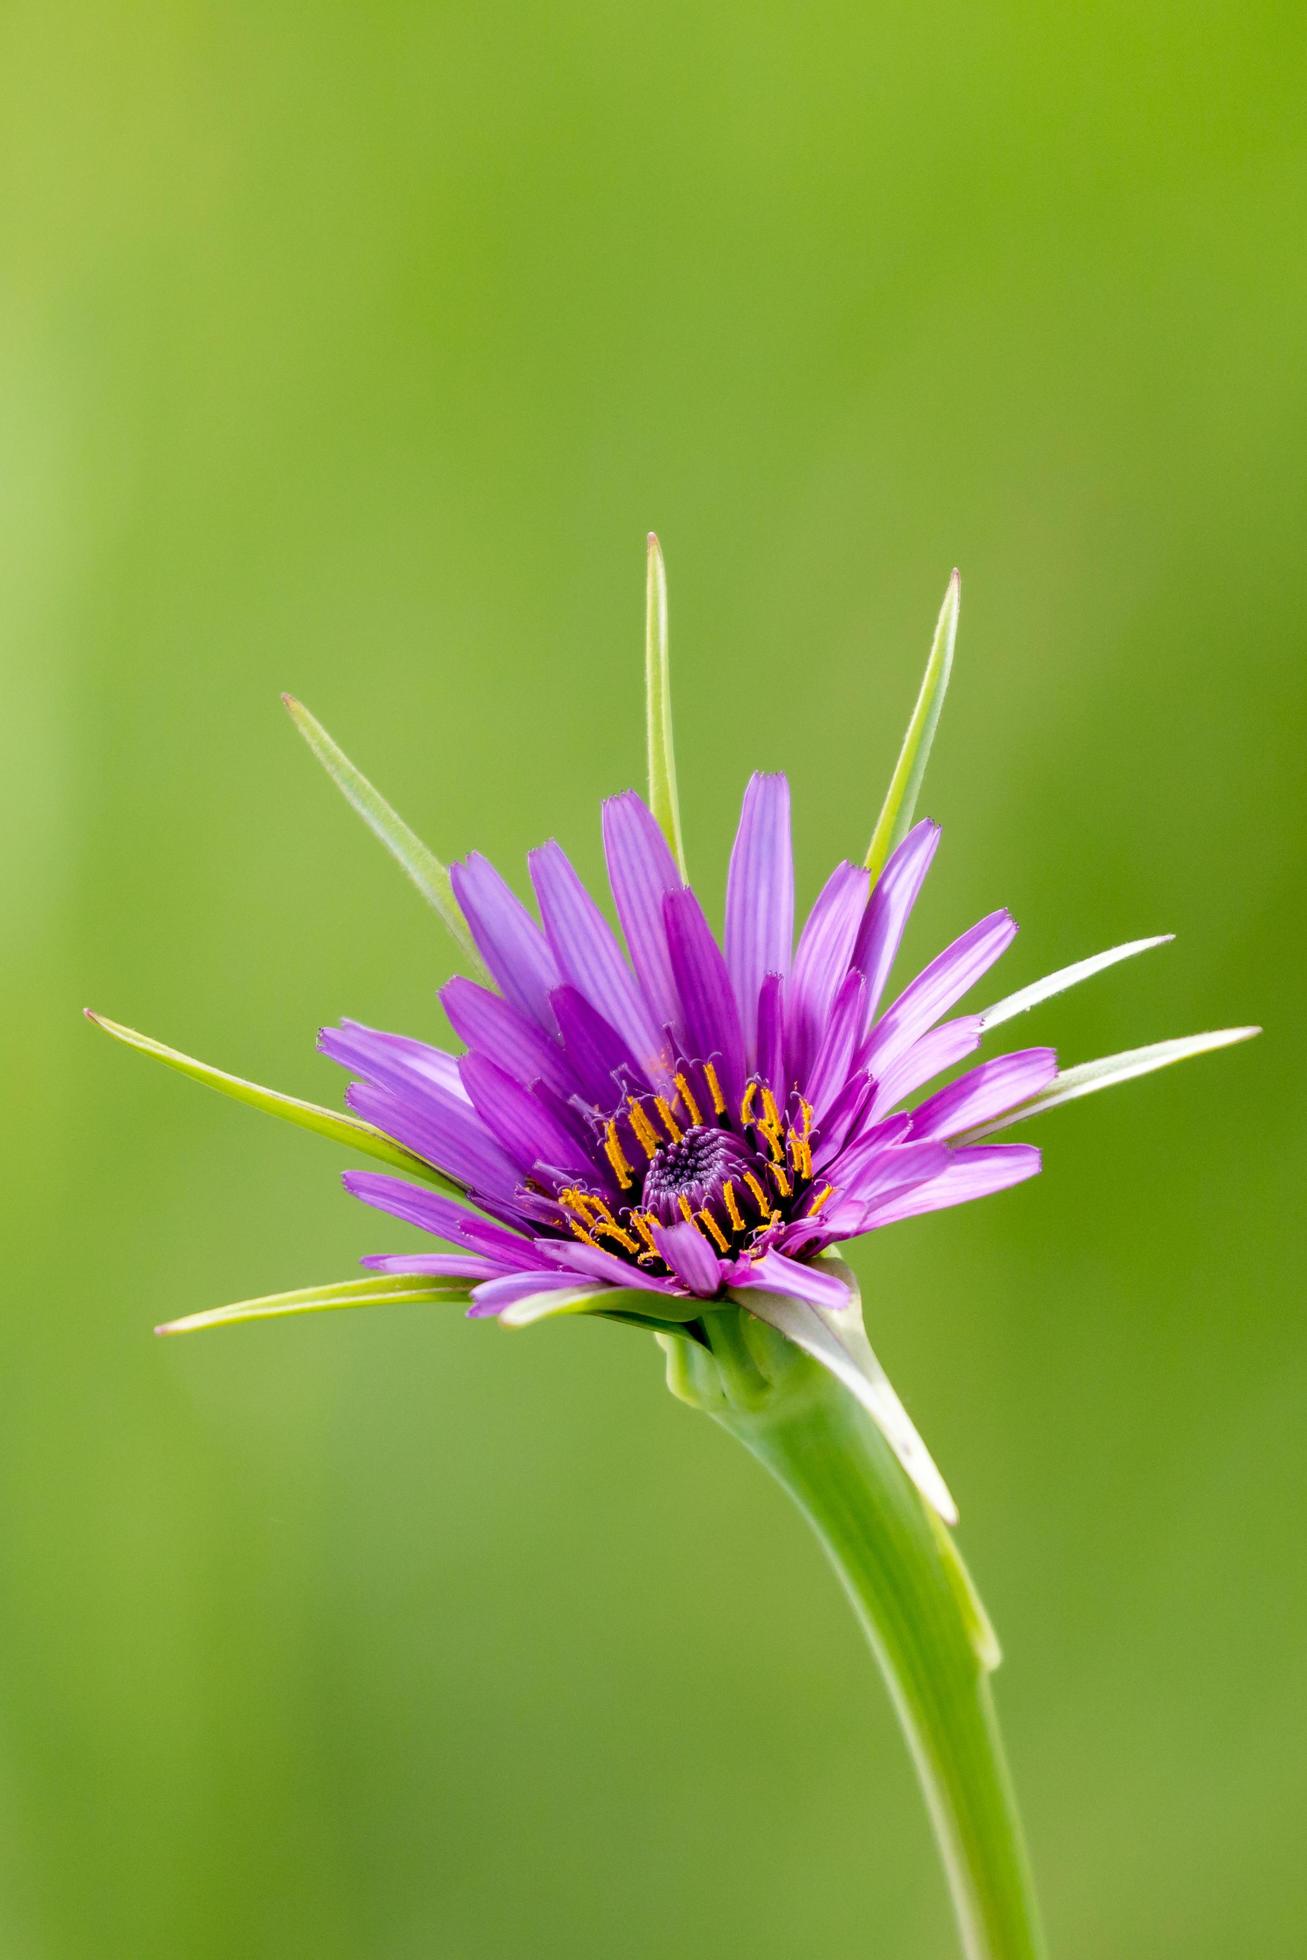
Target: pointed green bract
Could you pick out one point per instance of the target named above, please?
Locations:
(1065, 977)
(658, 706)
(1089, 1077)
(375, 1291)
(423, 866)
(897, 811)
(341, 1128)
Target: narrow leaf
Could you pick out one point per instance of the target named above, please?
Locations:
(663, 799)
(838, 1340)
(373, 1291)
(1089, 1077)
(410, 853)
(340, 1127)
(1066, 976)
(895, 819)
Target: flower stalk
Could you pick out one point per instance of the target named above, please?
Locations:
(912, 1595)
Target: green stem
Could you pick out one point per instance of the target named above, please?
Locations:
(911, 1593)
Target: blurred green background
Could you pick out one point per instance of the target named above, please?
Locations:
(352, 350)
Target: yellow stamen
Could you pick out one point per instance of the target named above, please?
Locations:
(617, 1157)
(823, 1197)
(645, 1134)
(686, 1212)
(733, 1211)
(747, 1104)
(782, 1182)
(641, 1224)
(723, 1243)
(670, 1123)
(610, 1229)
(773, 1114)
(714, 1089)
(687, 1098)
(582, 1234)
(759, 1195)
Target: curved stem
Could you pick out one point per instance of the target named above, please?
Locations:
(916, 1604)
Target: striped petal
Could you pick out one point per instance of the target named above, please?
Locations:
(641, 871)
(444, 1130)
(507, 937)
(760, 896)
(950, 975)
(834, 1058)
(710, 1016)
(883, 923)
(691, 1258)
(826, 1287)
(941, 1048)
(587, 952)
(519, 1120)
(594, 1048)
(491, 1024)
(822, 959)
(972, 1174)
(985, 1092)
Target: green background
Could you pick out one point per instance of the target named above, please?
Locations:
(352, 350)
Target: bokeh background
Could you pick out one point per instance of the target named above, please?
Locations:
(352, 350)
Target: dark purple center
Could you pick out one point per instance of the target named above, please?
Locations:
(693, 1171)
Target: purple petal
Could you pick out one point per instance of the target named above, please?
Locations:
(504, 1248)
(897, 889)
(493, 1295)
(985, 1092)
(941, 1048)
(588, 954)
(973, 1173)
(691, 1258)
(442, 1265)
(869, 1170)
(760, 895)
(770, 1054)
(641, 870)
(710, 1016)
(428, 1210)
(507, 937)
(822, 959)
(392, 1061)
(519, 1120)
(936, 989)
(594, 1262)
(447, 1132)
(774, 1273)
(595, 1050)
(496, 1028)
(833, 1061)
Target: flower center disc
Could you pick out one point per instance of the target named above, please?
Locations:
(693, 1172)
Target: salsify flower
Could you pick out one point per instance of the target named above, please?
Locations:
(674, 1129)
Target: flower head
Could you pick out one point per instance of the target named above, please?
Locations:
(688, 1117)
(677, 1131)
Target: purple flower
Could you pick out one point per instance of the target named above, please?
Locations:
(677, 1132)
(687, 1117)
